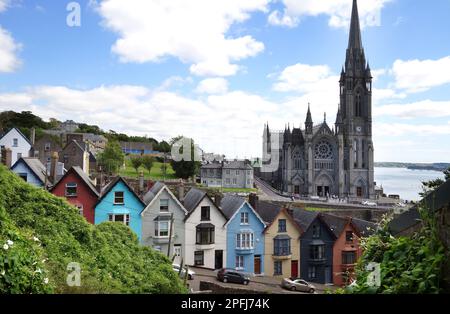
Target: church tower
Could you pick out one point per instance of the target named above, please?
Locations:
(354, 121)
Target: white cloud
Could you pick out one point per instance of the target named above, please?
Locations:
(401, 129)
(195, 31)
(9, 62)
(421, 75)
(339, 12)
(422, 109)
(386, 93)
(213, 86)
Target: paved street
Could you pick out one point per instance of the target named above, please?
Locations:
(260, 283)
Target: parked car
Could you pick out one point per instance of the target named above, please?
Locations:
(369, 203)
(297, 284)
(230, 275)
(176, 268)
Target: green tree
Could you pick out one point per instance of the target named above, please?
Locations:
(136, 162)
(147, 162)
(184, 168)
(430, 186)
(163, 147)
(112, 158)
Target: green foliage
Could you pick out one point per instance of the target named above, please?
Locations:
(86, 128)
(185, 168)
(136, 162)
(112, 157)
(163, 147)
(147, 162)
(430, 186)
(407, 264)
(47, 234)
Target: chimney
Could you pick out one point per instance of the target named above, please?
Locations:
(7, 157)
(33, 136)
(99, 180)
(218, 199)
(253, 200)
(290, 212)
(53, 167)
(141, 182)
(181, 192)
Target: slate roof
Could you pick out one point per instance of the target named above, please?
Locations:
(151, 194)
(215, 165)
(267, 211)
(304, 218)
(237, 164)
(193, 198)
(83, 176)
(335, 223)
(109, 187)
(35, 165)
(26, 138)
(230, 204)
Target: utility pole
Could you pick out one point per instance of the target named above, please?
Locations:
(170, 235)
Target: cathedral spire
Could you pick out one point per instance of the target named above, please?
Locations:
(308, 115)
(355, 40)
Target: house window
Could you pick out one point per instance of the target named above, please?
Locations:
(122, 218)
(238, 172)
(205, 235)
(71, 189)
(162, 229)
(282, 247)
(24, 176)
(164, 205)
(66, 158)
(227, 181)
(234, 181)
(248, 172)
(312, 272)
(227, 171)
(248, 181)
(177, 250)
(317, 252)
(349, 236)
(244, 218)
(15, 142)
(118, 198)
(199, 258)
(316, 231)
(282, 225)
(205, 213)
(240, 262)
(80, 209)
(277, 268)
(245, 241)
(46, 147)
(348, 258)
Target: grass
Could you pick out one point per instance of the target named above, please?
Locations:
(316, 209)
(155, 172)
(229, 190)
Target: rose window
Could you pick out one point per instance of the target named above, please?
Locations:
(323, 150)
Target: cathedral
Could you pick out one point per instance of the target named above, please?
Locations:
(323, 161)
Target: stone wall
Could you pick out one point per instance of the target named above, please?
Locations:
(216, 288)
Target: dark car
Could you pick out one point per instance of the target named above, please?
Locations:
(230, 275)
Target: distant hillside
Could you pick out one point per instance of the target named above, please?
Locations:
(41, 234)
(414, 166)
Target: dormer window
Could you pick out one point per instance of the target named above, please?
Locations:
(164, 205)
(15, 142)
(119, 198)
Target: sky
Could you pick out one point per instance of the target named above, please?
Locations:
(217, 70)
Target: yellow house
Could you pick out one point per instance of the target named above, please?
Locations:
(282, 246)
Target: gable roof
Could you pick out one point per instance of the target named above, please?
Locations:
(267, 211)
(155, 191)
(304, 217)
(335, 223)
(365, 228)
(35, 166)
(76, 145)
(83, 176)
(18, 131)
(289, 216)
(193, 199)
(113, 183)
(232, 204)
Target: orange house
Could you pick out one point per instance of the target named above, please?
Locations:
(347, 249)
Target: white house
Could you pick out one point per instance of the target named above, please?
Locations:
(163, 216)
(205, 231)
(18, 143)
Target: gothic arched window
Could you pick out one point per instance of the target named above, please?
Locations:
(296, 161)
(358, 106)
(323, 150)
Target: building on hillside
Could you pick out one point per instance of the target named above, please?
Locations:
(75, 154)
(44, 147)
(325, 162)
(245, 236)
(228, 174)
(31, 170)
(79, 190)
(137, 148)
(17, 142)
(205, 231)
(119, 203)
(163, 222)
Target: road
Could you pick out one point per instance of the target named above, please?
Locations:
(268, 192)
(261, 283)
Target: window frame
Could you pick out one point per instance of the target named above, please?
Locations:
(71, 185)
(208, 211)
(125, 220)
(116, 197)
(202, 260)
(164, 208)
(239, 262)
(282, 225)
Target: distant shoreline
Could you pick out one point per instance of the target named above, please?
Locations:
(414, 166)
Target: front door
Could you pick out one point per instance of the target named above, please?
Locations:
(319, 191)
(328, 279)
(294, 269)
(218, 259)
(359, 191)
(257, 264)
(297, 189)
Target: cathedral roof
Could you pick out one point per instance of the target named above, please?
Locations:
(355, 40)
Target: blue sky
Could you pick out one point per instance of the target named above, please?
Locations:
(218, 70)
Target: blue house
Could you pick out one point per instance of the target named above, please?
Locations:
(316, 247)
(245, 238)
(31, 170)
(119, 203)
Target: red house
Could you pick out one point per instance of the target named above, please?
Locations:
(347, 249)
(79, 190)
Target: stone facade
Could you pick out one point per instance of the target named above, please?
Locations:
(324, 162)
(228, 174)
